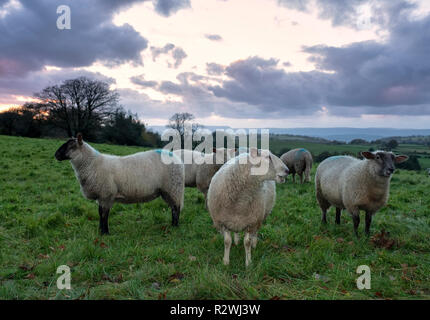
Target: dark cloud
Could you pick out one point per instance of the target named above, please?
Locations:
(177, 53)
(36, 81)
(355, 13)
(140, 80)
(364, 77)
(168, 7)
(29, 38)
(214, 69)
(213, 37)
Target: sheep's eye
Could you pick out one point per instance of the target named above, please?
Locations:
(378, 157)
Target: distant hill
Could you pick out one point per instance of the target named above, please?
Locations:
(341, 133)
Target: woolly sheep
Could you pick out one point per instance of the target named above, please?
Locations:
(349, 183)
(240, 201)
(200, 174)
(139, 177)
(298, 161)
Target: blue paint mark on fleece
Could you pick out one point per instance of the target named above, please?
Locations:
(164, 151)
(299, 153)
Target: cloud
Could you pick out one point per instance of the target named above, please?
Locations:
(213, 37)
(140, 80)
(214, 69)
(177, 53)
(35, 81)
(168, 7)
(355, 13)
(361, 78)
(29, 38)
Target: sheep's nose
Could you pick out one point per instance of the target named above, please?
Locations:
(390, 170)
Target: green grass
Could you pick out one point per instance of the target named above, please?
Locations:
(278, 145)
(45, 222)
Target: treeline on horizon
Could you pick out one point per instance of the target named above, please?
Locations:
(92, 108)
(78, 105)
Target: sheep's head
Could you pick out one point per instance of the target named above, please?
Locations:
(384, 162)
(271, 167)
(68, 149)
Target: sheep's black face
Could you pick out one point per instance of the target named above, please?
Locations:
(386, 162)
(64, 151)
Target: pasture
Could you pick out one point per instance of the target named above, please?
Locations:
(45, 222)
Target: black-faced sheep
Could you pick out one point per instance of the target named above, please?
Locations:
(239, 198)
(349, 183)
(139, 177)
(299, 161)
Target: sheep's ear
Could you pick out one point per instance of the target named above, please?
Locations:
(368, 155)
(253, 152)
(79, 137)
(402, 158)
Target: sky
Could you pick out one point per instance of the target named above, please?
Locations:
(237, 63)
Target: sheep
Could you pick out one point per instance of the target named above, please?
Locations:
(200, 172)
(139, 177)
(428, 172)
(240, 200)
(349, 183)
(298, 161)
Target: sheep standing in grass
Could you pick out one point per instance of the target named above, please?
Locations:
(199, 173)
(239, 199)
(349, 183)
(299, 161)
(140, 177)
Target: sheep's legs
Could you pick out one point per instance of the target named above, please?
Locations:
(247, 244)
(338, 213)
(173, 205)
(254, 239)
(356, 220)
(368, 222)
(236, 238)
(301, 178)
(227, 245)
(104, 217)
(175, 216)
(324, 215)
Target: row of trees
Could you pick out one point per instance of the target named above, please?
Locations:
(78, 105)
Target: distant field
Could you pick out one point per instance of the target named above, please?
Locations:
(277, 145)
(45, 222)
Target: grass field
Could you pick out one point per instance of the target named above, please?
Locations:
(277, 145)
(45, 222)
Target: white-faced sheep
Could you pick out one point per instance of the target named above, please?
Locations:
(199, 173)
(299, 161)
(139, 177)
(239, 199)
(349, 183)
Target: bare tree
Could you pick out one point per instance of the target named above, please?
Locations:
(78, 105)
(180, 120)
